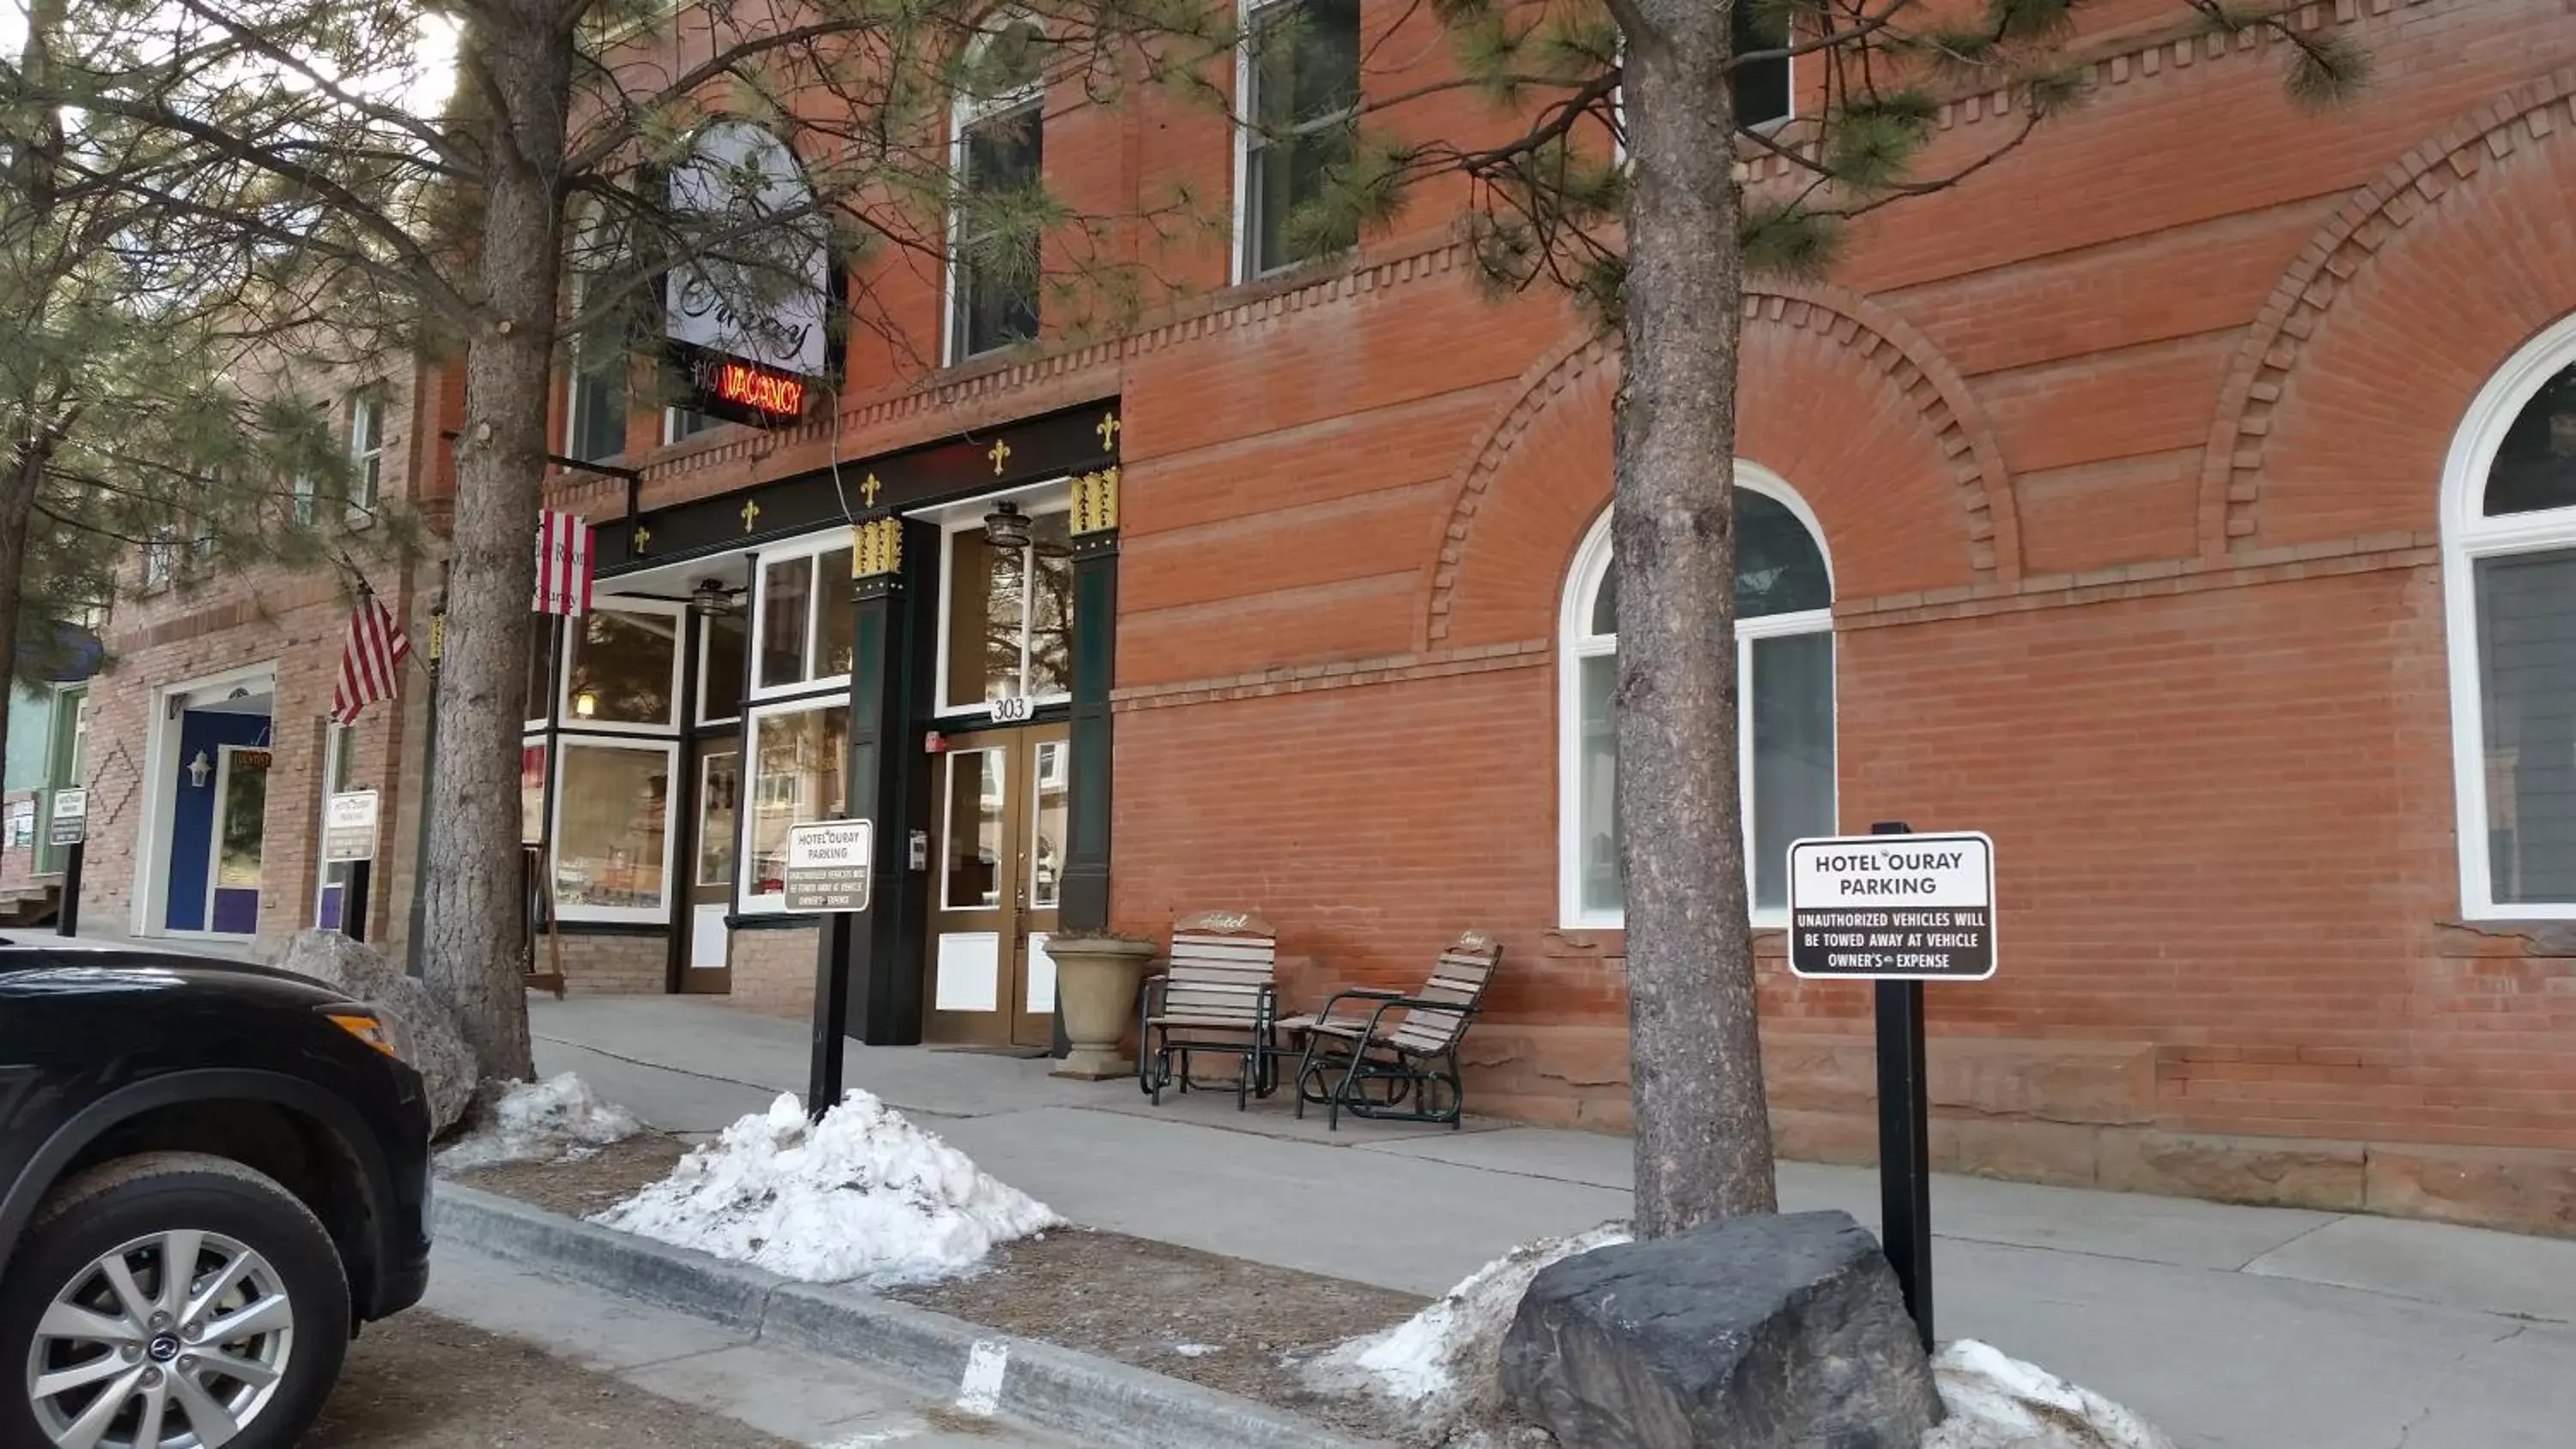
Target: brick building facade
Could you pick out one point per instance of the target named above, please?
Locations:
(210, 747)
(2132, 506)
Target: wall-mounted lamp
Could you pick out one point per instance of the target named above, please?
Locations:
(585, 704)
(199, 769)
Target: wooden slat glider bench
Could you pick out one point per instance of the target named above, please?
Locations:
(1362, 1062)
(1216, 996)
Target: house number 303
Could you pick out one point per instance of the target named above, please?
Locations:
(1012, 711)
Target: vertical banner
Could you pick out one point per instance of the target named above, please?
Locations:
(563, 564)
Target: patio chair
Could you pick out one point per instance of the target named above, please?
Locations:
(1369, 1065)
(1215, 996)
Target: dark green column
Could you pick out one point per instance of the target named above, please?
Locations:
(868, 973)
(1095, 658)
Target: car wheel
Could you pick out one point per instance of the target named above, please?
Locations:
(170, 1301)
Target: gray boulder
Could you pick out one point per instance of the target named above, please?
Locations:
(1748, 1333)
(422, 1030)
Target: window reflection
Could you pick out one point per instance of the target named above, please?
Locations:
(614, 812)
(972, 874)
(1010, 616)
(620, 669)
(1047, 831)
(796, 778)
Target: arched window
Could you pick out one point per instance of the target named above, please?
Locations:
(999, 166)
(1784, 598)
(2509, 556)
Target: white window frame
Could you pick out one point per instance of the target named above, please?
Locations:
(2467, 536)
(1576, 642)
(574, 414)
(1246, 13)
(708, 754)
(1619, 109)
(592, 218)
(965, 113)
(564, 716)
(557, 749)
(367, 410)
(549, 633)
(808, 546)
(160, 559)
(542, 742)
(1043, 505)
(746, 798)
(215, 840)
(706, 640)
(945, 779)
(671, 433)
(335, 735)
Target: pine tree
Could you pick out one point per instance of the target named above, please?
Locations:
(1622, 179)
(144, 401)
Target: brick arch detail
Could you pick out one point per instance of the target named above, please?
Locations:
(1876, 338)
(2537, 112)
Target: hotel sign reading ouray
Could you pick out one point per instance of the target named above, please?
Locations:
(748, 322)
(1893, 907)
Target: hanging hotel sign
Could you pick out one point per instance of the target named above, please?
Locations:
(1893, 907)
(349, 827)
(748, 322)
(828, 864)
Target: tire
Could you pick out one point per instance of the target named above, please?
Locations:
(255, 1241)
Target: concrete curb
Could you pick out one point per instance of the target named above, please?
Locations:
(1097, 1400)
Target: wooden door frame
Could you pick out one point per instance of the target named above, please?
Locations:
(1010, 1023)
(703, 745)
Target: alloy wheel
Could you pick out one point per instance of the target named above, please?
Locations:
(174, 1341)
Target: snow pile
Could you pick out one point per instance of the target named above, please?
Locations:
(865, 1195)
(554, 1121)
(1998, 1402)
(1441, 1369)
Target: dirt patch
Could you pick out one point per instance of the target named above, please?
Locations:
(1242, 1328)
(594, 1184)
(422, 1382)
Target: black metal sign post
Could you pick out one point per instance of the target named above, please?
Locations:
(67, 827)
(1897, 909)
(1905, 1137)
(67, 915)
(828, 869)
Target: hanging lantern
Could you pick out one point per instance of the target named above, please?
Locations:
(1006, 527)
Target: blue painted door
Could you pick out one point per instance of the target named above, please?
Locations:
(193, 906)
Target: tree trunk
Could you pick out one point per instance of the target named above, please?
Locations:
(1703, 1126)
(18, 487)
(474, 924)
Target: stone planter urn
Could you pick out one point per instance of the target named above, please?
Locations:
(1096, 977)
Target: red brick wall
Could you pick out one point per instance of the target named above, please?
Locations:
(2127, 457)
(2128, 463)
(606, 964)
(294, 623)
(773, 970)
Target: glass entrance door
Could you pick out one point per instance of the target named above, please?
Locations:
(706, 967)
(241, 838)
(997, 850)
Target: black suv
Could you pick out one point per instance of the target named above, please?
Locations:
(210, 1175)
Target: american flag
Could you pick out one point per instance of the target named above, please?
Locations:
(563, 564)
(371, 662)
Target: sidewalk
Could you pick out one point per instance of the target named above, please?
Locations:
(2234, 1328)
